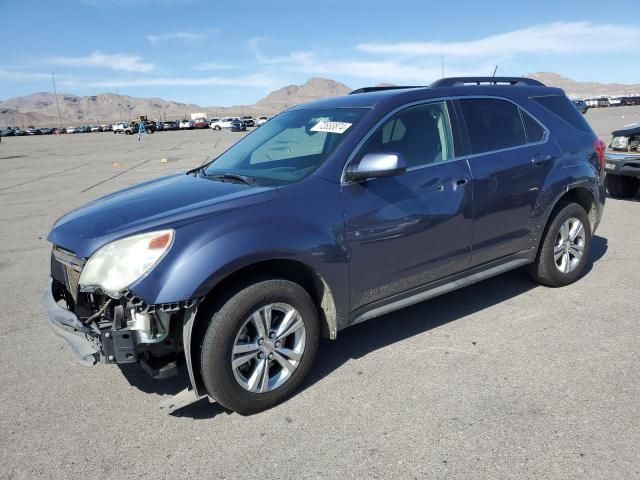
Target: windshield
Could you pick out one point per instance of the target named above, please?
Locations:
(289, 147)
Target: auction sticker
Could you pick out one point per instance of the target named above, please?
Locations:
(331, 127)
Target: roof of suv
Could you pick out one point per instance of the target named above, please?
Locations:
(370, 97)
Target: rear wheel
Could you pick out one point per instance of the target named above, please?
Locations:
(564, 249)
(260, 345)
(621, 186)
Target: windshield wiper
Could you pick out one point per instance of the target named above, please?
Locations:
(233, 177)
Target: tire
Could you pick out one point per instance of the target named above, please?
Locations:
(232, 325)
(621, 186)
(217, 127)
(554, 271)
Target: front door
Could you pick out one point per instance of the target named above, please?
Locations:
(415, 228)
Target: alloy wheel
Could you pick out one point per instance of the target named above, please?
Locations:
(268, 348)
(569, 245)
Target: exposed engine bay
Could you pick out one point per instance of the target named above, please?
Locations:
(124, 329)
(626, 139)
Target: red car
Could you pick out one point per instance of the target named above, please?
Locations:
(200, 123)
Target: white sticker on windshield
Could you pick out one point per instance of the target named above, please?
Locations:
(330, 127)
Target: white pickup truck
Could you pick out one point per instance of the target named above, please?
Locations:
(220, 124)
(120, 127)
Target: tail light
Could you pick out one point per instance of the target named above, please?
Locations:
(600, 147)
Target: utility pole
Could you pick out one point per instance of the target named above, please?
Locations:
(55, 92)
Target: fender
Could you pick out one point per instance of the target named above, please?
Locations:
(210, 249)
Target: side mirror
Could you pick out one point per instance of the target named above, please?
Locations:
(377, 165)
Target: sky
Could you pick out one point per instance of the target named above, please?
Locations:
(212, 52)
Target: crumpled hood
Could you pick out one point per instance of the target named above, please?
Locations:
(161, 203)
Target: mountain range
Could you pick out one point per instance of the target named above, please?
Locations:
(40, 109)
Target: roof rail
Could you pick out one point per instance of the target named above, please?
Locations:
(382, 88)
(459, 81)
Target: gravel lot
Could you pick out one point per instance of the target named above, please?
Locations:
(505, 379)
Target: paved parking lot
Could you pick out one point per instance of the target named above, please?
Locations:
(504, 379)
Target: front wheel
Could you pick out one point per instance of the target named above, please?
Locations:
(260, 345)
(621, 186)
(564, 249)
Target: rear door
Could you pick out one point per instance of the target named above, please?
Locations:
(412, 229)
(510, 157)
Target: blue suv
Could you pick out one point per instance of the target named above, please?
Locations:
(330, 214)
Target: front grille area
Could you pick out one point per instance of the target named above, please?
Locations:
(66, 269)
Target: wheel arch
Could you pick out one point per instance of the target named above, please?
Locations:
(287, 269)
(579, 194)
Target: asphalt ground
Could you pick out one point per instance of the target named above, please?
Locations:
(504, 379)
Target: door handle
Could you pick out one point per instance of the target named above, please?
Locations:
(540, 159)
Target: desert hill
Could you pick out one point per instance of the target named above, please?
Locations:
(40, 108)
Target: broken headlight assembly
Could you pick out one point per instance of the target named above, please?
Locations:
(118, 264)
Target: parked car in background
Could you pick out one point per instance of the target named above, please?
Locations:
(170, 125)
(615, 101)
(71, 129)
(94, 128)
(581, 105)
(33, 131)
(200, 123)
(185, 124)
(134, 128)
(120, 127)
(248, 121)
(623, 162)
(59, 131)
(238, 125)
(7, 132)
(261, 121)
(220, 124)
(46, 131)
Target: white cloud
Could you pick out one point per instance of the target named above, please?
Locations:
(257, 80)
(371, 70)
(20, 75)
(116, 61)
(209, 66)
(180, 36)
(555, 38)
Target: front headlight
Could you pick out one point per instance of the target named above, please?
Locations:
(620, 143)
(118, 264)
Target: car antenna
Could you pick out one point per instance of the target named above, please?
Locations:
(494, 71)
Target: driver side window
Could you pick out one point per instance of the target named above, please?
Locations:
(421, 134)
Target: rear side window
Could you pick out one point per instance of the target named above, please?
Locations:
(535, 132)
(565, 109)
(492, 124)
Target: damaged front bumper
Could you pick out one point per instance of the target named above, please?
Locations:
(100, 328)
(95, 342)
(65, 324)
